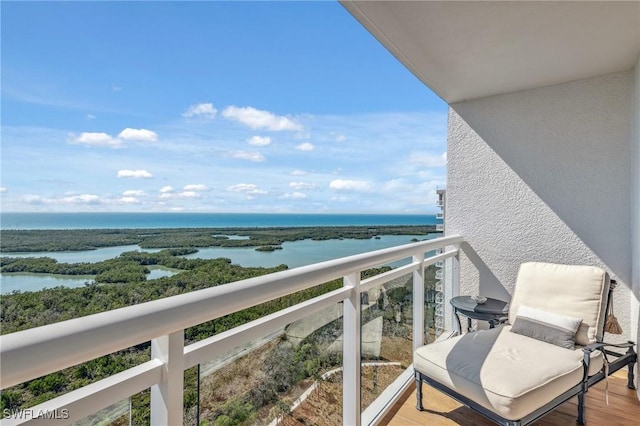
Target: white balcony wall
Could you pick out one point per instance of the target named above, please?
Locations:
(545, 175)
(635, 190)
(635, 212)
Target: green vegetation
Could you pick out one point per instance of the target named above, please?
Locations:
(129, 267)
(268, 248)
(88, 239)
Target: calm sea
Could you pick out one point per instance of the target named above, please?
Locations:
(201, 220)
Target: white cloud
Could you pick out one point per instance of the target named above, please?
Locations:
(246, 155)
(116, 88)
(166, 189)
(259, 140)
(105, 139)
(134, 193)
(188, 194)
(257, 119)
(32, 199)
(81, 199)
(205, 111)
(294, 196)
(90, 116)
(351, 185)
(185, 156)
(129, 200)
(143, 135)
(305, 146)
(302, 185)
(96, 139)
(3, 189)
(196, 187)
(135, 174)
(247, 188)
(179, 195)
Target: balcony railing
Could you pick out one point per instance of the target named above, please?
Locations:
(32, 353)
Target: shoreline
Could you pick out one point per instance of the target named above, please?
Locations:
(57, 240)
(165, 220)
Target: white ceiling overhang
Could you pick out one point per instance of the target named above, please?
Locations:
(472, 49)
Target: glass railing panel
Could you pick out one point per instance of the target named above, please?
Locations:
(293, 373)
(118, 414)
(433, 300)
(18, 401)
(386, 335)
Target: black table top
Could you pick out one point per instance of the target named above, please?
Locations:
(491, 306)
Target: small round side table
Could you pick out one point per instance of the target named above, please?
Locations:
(494, 311)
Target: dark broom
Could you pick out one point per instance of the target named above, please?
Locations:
(612, 325)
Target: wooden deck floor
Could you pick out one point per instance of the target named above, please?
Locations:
(623, 408)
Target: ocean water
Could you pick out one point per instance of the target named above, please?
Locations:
(202, 220)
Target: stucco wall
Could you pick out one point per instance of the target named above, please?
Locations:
(635, 182)
(635, 217)
(545, 175)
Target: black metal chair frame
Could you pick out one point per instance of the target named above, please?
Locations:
(580, 389)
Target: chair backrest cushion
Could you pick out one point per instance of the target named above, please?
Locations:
(572, 290)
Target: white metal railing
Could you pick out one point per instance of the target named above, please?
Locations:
(440, 215)
(32, 353)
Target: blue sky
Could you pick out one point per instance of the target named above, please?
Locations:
(211, 106)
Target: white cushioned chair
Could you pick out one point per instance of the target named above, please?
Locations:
(549, 351)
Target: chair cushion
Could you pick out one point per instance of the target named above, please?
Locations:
(571, 290)
(507, 373)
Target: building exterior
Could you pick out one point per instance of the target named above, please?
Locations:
(440, 296)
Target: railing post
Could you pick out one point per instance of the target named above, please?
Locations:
(418, 302)
(452, 290)
(167, 396)
(351, 353)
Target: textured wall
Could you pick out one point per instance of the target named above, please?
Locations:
(635, 182)
(544, 175)
(635, 215)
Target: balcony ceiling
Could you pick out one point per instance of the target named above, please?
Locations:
(467, 50)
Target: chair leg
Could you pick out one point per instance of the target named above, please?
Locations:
(630, 374)
(631, 377)
(419, 392)
(580, 419)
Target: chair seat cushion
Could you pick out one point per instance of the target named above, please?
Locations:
(507, 373)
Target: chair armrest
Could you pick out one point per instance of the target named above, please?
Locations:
(599, 345)
(626, 359)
